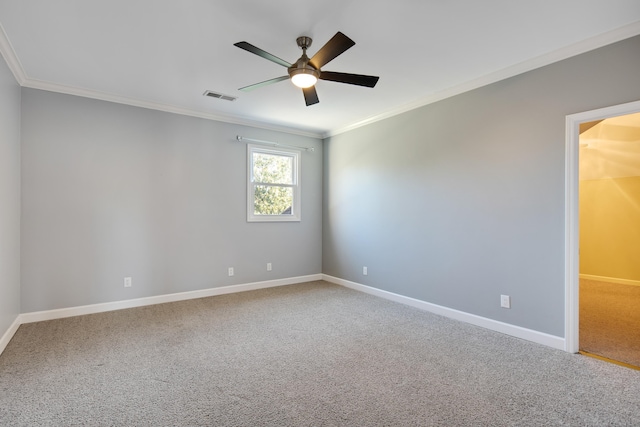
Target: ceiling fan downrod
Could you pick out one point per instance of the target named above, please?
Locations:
(301, 72)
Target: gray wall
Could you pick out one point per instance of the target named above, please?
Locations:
(110, 191)
(463, 200)
(9, 198)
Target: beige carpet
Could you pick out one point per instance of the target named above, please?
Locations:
(313, 354)
(610, 320)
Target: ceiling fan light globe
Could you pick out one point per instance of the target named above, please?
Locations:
(304, 80)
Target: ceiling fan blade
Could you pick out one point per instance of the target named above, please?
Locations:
(310, 95)
(264, 83)
(334, 47)
(266, 55)
(352, 79)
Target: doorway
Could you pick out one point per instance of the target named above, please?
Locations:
(609, 242)
(572, 220)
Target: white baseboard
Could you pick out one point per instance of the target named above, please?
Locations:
(494, 325)
(610, 280)
(39, 316)
(505, 328)
(4, 341)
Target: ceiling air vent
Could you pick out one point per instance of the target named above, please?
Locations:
(219, 95)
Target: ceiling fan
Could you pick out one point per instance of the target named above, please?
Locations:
(305, 72)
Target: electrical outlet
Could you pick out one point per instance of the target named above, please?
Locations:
(230, 271)
(505, 301)
(269, 266)
(365, 271)
(127, 282)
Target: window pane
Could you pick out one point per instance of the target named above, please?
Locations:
(273, 184)
(272, 169)
(272, 200)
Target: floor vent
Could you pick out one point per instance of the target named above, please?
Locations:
(219, 96)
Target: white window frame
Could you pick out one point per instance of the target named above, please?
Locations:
(251, 184)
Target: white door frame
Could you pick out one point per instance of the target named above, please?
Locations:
(572, 233)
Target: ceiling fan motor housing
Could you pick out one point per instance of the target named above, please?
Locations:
(302, 66)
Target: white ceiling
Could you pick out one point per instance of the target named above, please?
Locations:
(164, 53)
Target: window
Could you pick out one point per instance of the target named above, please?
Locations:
(273, 184)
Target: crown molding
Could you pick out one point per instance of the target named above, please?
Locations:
(10, 57)
(104, 96)
(566, 52)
